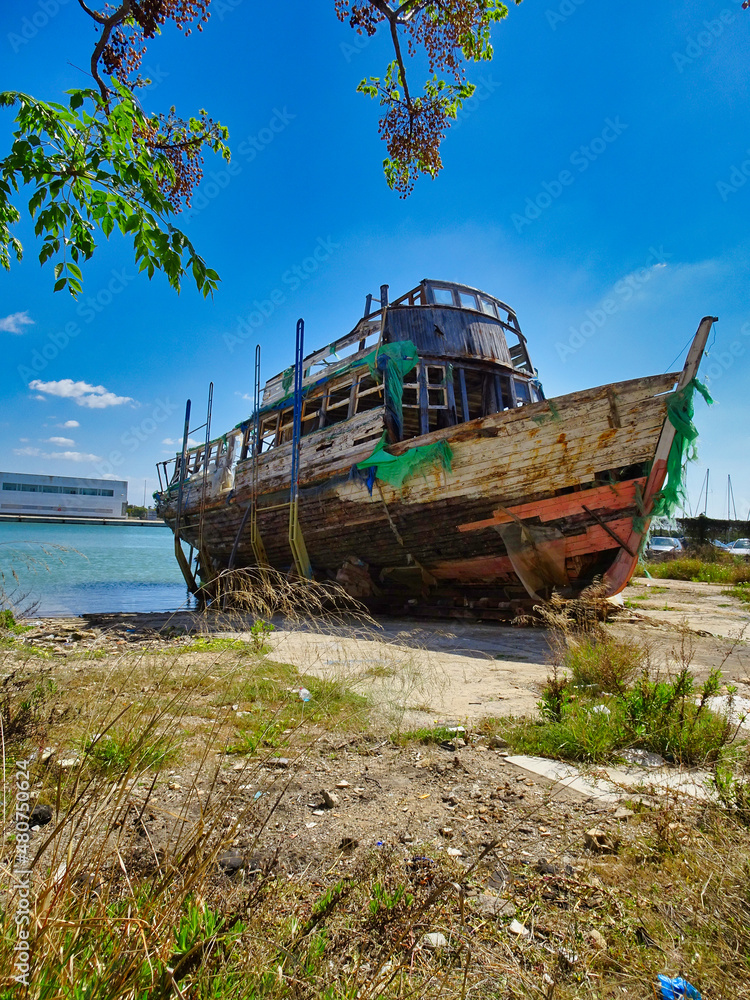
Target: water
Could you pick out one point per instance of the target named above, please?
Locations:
(84, 568)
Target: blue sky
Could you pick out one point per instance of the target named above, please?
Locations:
(605, 156)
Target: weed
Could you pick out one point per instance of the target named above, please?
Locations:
(603, 663)
(214, 644)
(121, 752)
(426, 736)
(259, 633)
(724, 569)
(741, 592)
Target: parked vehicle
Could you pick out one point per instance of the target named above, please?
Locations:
(741, 548)
(660, 545)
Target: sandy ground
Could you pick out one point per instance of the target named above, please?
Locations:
(456, 671)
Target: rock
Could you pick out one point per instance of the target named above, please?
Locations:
(330, 799)
(516, 927)
(342, 784)
(68, 762)
(597, 940)
(454, 852)
(642, 758)
(40, 815)
(407, 838)
(230, 862)
(497, 743)
(600, 841)
(89, 882)
(447, 831)
(545, 868)
(278, 762)
(46, 754)
(622, 812)
(434, 940)
(491, 905)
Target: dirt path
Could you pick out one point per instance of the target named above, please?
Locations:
(463, 671)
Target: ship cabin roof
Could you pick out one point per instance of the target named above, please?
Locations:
(472, 361)
(443, 319)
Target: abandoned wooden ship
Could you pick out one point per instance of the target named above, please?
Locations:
(417, 462)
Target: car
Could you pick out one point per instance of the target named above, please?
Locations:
(661, 545)
(740, 548)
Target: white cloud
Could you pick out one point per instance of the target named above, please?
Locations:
(70, 423)
(94, 397)
(64, 456)
(63, 442)
(15, 322)
(74, 456)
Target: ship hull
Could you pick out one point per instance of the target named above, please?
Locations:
(538, 498)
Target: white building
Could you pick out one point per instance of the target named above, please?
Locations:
(50, 496)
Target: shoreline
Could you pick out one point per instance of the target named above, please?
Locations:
(63, 519)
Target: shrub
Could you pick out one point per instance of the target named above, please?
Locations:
(603, 663)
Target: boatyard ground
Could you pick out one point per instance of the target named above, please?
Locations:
(337, 809)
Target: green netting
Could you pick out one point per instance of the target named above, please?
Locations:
(391, 362)
(286, 379)
(680, 411)
(394, 469)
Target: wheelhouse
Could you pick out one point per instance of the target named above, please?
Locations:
(471, 360)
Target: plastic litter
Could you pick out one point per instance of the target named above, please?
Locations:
(304, 694)
(677, 987)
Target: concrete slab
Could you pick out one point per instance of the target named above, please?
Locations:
(613, 784)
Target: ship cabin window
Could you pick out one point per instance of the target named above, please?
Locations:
(427, 400)
(368, 394)
(443, 296)
(488, 306)
(311, 409)
(523, 392)
(268, 428)
(468, 300)
(337, 403)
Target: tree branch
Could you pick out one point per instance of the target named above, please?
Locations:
(392, 17)
(100, 18)
(117, 17)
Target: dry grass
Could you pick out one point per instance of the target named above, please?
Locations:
(118, 913)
